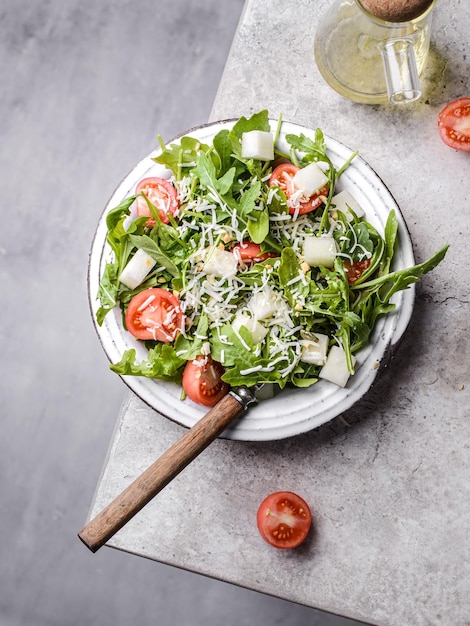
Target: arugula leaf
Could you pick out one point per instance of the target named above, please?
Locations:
(248, 200)
(223, 148)
(258, 121)
(304, 382)
(107, 291)
(205, 170)
(373, 296)
(290, 270)
(188, 348)
(170, 156)
(225, 182)
(161, 362)
(116, 215)
(315, 150)
(258, 225)
(148, 245)
(362, 239)
(118, 239)
(239, 358)
(402, 279)
(390, 234)
(177, 157)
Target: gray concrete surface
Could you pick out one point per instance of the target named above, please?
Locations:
(85, 88)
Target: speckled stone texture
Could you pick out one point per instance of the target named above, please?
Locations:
(388, 481)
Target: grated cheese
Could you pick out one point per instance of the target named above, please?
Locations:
(219, 292)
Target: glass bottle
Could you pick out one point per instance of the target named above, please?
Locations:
(371, 52)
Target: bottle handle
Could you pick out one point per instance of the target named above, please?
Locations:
(401, 72)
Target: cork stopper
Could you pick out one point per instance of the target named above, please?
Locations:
(396, 10)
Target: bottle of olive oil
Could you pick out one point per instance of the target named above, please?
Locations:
(373, 51)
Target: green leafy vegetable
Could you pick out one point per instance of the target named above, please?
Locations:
(161, 362)
(259, 320)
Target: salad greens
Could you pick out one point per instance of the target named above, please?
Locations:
(225, 200)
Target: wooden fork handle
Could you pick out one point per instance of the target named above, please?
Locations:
(123, 508)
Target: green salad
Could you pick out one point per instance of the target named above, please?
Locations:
(247, 265)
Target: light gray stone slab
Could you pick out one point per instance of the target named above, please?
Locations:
(389, 480)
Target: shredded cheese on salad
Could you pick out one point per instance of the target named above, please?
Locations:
(267, 279)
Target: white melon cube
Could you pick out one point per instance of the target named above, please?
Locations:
(257, 330)
(314, 350)
(335, 369)
(220, 263)
(137, 269)
(258, 144)
(263, 304)
(310, 179)
(345, 202)
(319, 251)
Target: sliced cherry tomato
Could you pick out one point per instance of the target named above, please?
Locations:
(355, 270)
(454, 124)
(162, 194)
(251, 252)
(282, 177)
(284, 519)
(202, 381)
(154, 314)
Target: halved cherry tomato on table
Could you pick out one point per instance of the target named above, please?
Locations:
(282, 177)
(251, 252)
(161, 194)
(202, 381)
(355, 270)
(284, 519)
(454, 124)
(154, 314)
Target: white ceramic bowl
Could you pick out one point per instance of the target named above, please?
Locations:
(293, 411)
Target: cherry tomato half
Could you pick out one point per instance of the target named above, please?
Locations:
(282, 177)
(202, 381)
(154, 314)
(251, 252)
(454, 124)
(284, 519)
(355, 270)
(161, 194)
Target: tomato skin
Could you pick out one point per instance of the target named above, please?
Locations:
(284, 519)
(355, 270)
(454, 124)
(251, 252)
(162, 194)
(154, 314)
(202, 381)
(282, 176)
